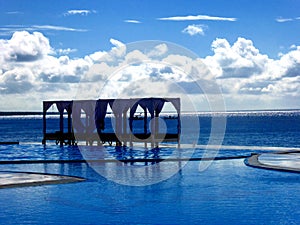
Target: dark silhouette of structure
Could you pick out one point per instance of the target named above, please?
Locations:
(86, 121)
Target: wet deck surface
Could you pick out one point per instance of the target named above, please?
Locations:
(289, 162)
(21, 179)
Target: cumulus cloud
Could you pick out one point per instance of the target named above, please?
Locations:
(65, 51)
(194, 29)
(18, 80)
(241, 70)
(23, 47)
(116, 43)
(241, 59)
(135, 56)
(198, 17)
(118, 50)
(30, 73)
(95, 57)
(158, 50)
(61, 70)
(141, 80)
(286, 86)
(148, 69)
(28, 67)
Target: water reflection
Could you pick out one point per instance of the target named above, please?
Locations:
(131, 166)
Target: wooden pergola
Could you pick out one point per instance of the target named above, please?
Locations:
(92, 128)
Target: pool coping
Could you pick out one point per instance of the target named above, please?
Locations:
(253, 161)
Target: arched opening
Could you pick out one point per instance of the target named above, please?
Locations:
(64, 134)
(171, 117)
(137, 123)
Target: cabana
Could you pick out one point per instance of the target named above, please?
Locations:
(91, 127)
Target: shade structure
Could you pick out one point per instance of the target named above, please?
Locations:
(92, 128)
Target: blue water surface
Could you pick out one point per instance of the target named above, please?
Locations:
(272, 129)
(226, 192)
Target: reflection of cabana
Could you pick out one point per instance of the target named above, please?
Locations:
(92, 128)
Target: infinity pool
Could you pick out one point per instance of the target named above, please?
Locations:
(34, 151)
(227, 192)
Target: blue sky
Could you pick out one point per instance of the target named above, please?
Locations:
(256, 20)
(77, 29)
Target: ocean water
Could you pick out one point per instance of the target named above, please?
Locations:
(245, 132)
(227, 192)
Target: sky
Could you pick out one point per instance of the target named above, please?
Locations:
(53, 49)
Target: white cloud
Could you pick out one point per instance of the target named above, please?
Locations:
(24, 46)
(143, 79)
(30, 73)
(95, 57)
(286, 86)
(198, 17)
(14, 12)
(82, 12)
(65, 51)
(241, 70)
(158, 50)
(283, 20)
(132, 21)
(58, 28)
(118, 50)
(241, 59)
(116, 43)
(135, 56)
(194, 29)
(18, 80)
(29, 69)
(11, 29)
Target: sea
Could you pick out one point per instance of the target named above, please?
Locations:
(243, 132)
(226, 192)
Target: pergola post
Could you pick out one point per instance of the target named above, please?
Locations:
(156, 127)
(124, 128)
(69, 127)
(178, 127)
(44, 124)
(152, 131)
(145, 125)
(61, 126)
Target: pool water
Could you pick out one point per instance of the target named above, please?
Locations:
(35, 151)
(228, 192)
(225, 192)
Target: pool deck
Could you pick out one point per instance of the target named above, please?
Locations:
(20, 179)
(286, 161)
